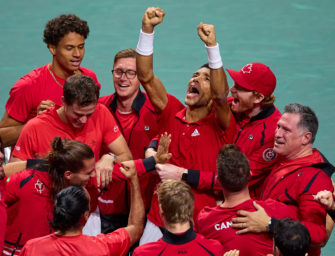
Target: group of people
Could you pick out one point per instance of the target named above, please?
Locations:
(219, 176)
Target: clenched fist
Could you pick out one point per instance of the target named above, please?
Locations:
(206, 33)
(152, 17)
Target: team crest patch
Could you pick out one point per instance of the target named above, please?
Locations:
(146, 127)
(39, 186)
(269, 154)
(116, 128)
(247, 69)
(251, 136)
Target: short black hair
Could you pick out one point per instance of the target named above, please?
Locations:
(71, 204)
(291, 237)
(58, 27)
(233, 168)
(80, 89)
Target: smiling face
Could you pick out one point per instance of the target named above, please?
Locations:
(244, 100)
(76, 115)
(82, 177)
(125, 87)
(68, 54)
(198, 90)
(289, 138)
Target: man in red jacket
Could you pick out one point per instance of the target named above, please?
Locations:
(251, 108)
(176, 202)
(137, 121)
(298, 176)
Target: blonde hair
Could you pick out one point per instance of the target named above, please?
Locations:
(176, 200)
(267, 101)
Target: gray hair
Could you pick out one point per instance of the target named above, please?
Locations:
(308, 120)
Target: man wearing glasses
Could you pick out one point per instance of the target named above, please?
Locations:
(137, 120)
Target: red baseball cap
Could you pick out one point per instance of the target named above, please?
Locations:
(255, 77)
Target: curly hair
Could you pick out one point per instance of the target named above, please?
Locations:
(58, 27)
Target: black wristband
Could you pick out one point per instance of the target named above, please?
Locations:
(331, 214)
(149, 163)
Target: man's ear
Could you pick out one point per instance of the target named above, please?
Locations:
(277, 252)
(67, 175)
(52, 49)
(306, 138)
(258, 98)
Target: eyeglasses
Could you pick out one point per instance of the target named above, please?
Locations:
(130, 74)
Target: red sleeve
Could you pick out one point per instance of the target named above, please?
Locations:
(118, 241)
(111, 130)
(140, 165)
(12, 188)
(278, 210)
(25, 143)
(172, 107)
(311, 213)
(19, 104)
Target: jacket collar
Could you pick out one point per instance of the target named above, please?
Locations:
(137, 103)
(178, 239)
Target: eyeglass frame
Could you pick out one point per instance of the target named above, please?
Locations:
(124, 72)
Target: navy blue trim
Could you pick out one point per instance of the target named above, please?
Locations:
(266, 112)
(263, 134)
(24, 181)
(326, 166)
(193, 177)
(161, 252)
(209, 252)
(149, 163)
(310, 183)
(213, 181)
(137, 103)
(179, 239)
(153, 144)
(291, 198)
(38, 164)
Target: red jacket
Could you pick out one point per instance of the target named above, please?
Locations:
(295, 183)
(188, 243)
(255, 137)
(116, 199)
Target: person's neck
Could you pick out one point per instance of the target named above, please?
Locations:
(59, 71)
(178, 228)
(195, 114)
(254, 111)
(125, 104)
(61, 114)
(304, 151)
(72, 232)
(231, 199)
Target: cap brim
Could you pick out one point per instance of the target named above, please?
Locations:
(238, 79)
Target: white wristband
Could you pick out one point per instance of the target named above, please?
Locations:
(145, 45)
(214, 57)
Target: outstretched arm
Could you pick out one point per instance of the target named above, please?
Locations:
(219, 84)
(137, 212)
(144, 59)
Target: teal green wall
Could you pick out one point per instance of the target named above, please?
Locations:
(295, 38)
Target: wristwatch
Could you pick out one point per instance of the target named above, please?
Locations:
(184, 176)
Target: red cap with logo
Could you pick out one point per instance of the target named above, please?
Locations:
(255, 77)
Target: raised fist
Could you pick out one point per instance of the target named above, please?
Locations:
(152, 17)
(206, 33)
